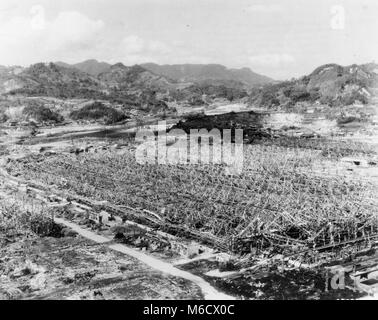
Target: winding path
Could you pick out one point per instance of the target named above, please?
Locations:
(209, 292)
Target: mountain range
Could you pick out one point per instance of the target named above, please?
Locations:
(204, 72)
(133, 85)
(182, 72)
(153, 85)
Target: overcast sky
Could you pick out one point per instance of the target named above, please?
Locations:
(278, 38)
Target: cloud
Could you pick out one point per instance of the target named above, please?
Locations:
(159, 47)
(38, 21)
(73, 27)
(72, 36)
(134, 44)
(264, 8)
(271, 59)
(27, 39)
(134, 49)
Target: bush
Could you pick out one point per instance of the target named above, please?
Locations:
(44, 226)
(14, 220)
(353, 97)
(41, 113)
(296, 93)
(98, 111)
(346, 120)
(14, 113)
(3, 117)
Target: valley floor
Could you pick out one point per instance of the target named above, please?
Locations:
(82, 174)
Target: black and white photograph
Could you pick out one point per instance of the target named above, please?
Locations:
(188, 151)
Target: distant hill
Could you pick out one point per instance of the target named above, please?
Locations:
(203, 72)
(131, 86)
(92, 66)
(330, 84)
(182, 72)
(137, 86)
(135, 77)
(62, 81)
(49, 79)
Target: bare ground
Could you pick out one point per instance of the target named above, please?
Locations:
(74, 268)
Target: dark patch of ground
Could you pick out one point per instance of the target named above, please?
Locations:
(274, 284)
